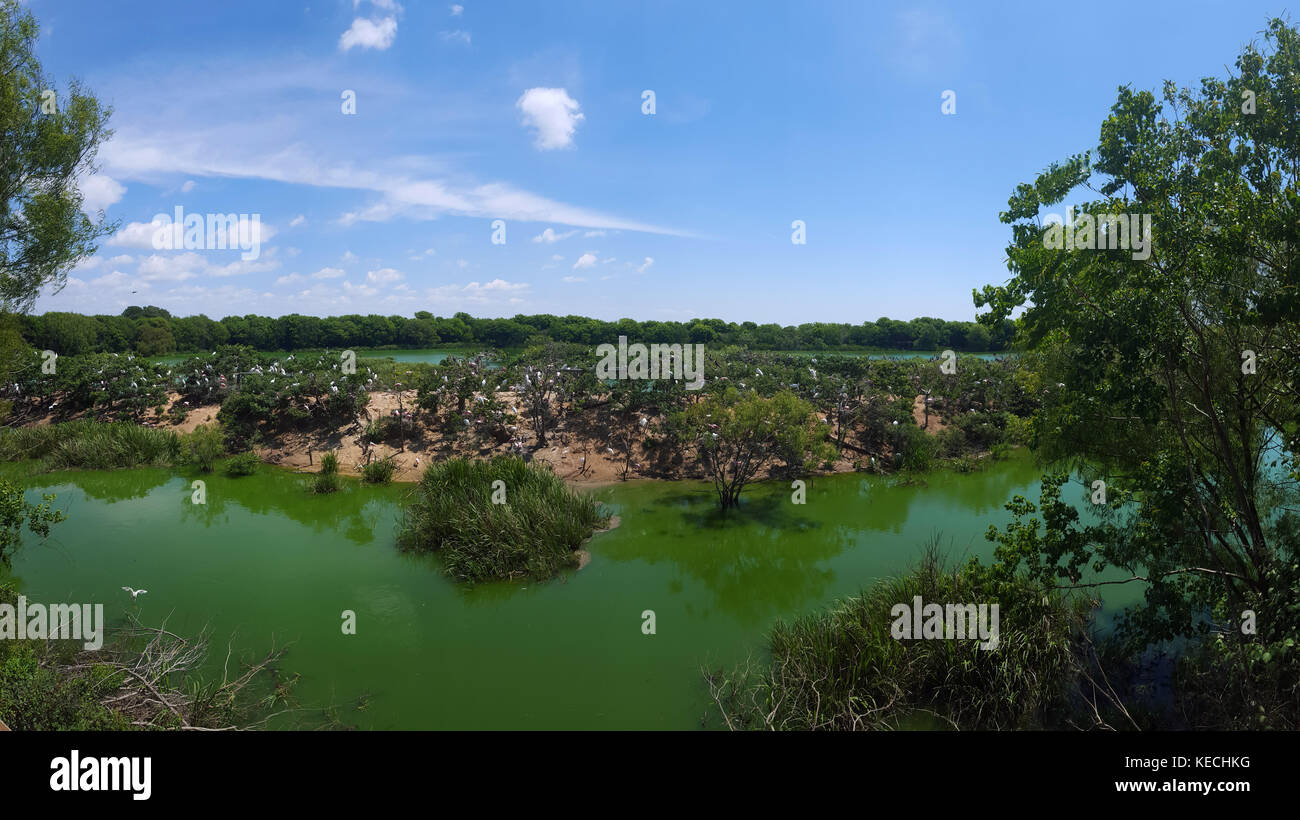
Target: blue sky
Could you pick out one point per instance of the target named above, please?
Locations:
(531, 113)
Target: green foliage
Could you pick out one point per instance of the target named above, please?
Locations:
(736, 435)
(16, 513)
(843, 670)
(325, 483)
(90, 445)
(1143, 366)
(242, 464)
(329, 463)
(914, 449)
(533, 534)
(38, 698)
(43, 232)
(154, 329)
(204, 446)
(379, 471)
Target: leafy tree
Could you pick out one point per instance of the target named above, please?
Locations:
(736, 435)
(1173, 377)
(44, 151)
(16, 512)
(154, 338)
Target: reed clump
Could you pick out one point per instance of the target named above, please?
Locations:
(842, 669)
(528, 525)
(91, 445)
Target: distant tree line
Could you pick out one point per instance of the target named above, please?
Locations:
(151, 331)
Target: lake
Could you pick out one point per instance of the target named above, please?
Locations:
(266, 560)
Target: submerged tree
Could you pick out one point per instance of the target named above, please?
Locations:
(737, 435)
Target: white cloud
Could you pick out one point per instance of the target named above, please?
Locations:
(98, 192)
(495, 286)
(549, 236)
(328, 273)
(477, 294)
(177, 267)
(554, 115)
(574, 279)
(188, 186)
(557, 258)
(291, 279)
(587, 260)
(383, 276)
(349, 256)
(456, 36)
(376, 34)
(363, 290)
(457, 10)
(297, 220)
(134, 235)
(171, 268)
(141, 235)
(645, 266)
(590, 234)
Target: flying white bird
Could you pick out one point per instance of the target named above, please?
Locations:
(134, 592)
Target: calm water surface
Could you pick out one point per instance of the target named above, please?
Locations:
(266, 560)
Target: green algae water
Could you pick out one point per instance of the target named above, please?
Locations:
(268, 562)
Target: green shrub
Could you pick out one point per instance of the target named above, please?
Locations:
(967, 463)
(983, 430)
(385, 428)
(325, 483)
(1018, 430)
(533, 534)
(917, 448)
(204, 446)
(843, 668)
(245, 463)
(950, 442)
(379, 471)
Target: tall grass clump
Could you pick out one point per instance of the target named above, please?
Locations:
(329, 463)
(90, 445)
(325, 483)
(533, 534)
(204, 446)
(842, 669)
(379, 471)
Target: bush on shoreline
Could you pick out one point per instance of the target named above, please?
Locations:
(841, 669)
(379, 471)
